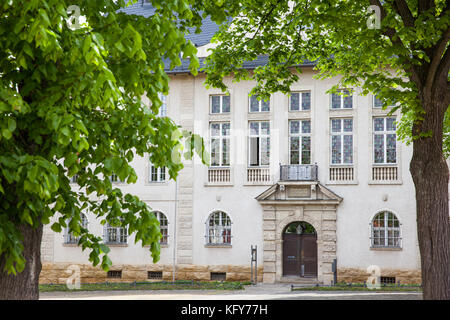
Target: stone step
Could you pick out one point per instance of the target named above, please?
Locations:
(299, 280)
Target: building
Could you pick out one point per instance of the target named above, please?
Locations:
(318, 182)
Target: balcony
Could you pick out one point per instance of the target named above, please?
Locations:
(298, 172)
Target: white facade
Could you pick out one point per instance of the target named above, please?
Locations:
(365, 189)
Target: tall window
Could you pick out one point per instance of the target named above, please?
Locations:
(259, 105)
(300, 141)
(69, 237)
(218, 228)
(384, 140)
(259, 143)
(385, 230)
(220, 104)
(341, 141)
(157, 174)
(300, 101)
(163, 226)
(163, 108)
(342, 100)
(115, 235)
(220, 144)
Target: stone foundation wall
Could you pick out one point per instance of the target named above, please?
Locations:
(58, 273)
(355, 275)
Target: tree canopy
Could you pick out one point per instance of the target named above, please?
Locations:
(71, 83)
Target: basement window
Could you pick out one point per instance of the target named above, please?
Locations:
(114, 274)
(154, 275)
(387, 280)
(218, 276)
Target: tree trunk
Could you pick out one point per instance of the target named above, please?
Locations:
(430, 174)
(24, 285)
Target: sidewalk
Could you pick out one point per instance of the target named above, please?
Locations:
(261, 291)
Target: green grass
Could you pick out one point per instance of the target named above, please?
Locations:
(160, 285)
(361, 287)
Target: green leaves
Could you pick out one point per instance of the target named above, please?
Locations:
(70, 104)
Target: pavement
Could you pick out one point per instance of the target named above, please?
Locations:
(260, 291)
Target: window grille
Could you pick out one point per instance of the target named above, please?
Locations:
(70, 238)
(154, 275)
(218, 229)
(387, 280)
(218, 276)
(115, 235)
(115, 274)
(386, 230)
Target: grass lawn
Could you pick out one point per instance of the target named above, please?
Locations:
(160, 285)
(361, 287)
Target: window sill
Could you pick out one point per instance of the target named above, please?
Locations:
(387, 182)
(116, 244)
(262, 183)
(350, 182)
(161, 245)
(218, 184)
(218, 246)
(386, 248)
(70, 245)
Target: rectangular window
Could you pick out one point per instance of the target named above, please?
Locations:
(219, 104)
(300, 101)
(115, 274)
(259, 105)
(157, 174)
(259, 143)
(300, 141)
(114, 178)
(342, 100)
(220, 144)
(163, 108)
(384, 141)
(154, 275)
(377, 103)
(341, 141)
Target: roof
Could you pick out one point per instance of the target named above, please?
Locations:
(208, 29)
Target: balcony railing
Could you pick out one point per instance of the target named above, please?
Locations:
(298, 172)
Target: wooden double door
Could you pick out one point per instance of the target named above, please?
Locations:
(300, 255)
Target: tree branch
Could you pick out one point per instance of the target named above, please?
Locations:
(437, 61)
(403, 10)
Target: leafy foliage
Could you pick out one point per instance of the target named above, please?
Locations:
(341, 37)
(70, 103)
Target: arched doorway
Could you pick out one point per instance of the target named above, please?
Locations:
(300, 250)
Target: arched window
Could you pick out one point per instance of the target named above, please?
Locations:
(218, 228)
(386, 230)
(69, 237)
(115, 235)
(163, 225)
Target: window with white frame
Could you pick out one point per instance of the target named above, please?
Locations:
(300, 141)
(385, 230)
(163, 226)
(163, 108)
(157, 174)
(343, 99)
(377, 103)
(114, 178)
(259, 105)
(300, 101)
(341, 141)
(218, 229)
(259, 143)
(220, 144)
(69, 237)
(115, 235)
(384, 140)
(219, 104)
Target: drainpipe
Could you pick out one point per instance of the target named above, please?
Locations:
(175, 232)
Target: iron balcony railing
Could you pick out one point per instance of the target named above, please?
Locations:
(298, 172)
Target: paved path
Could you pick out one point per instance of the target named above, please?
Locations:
(258, 292)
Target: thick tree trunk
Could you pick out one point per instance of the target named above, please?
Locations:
(24, 285)
(431, 176)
